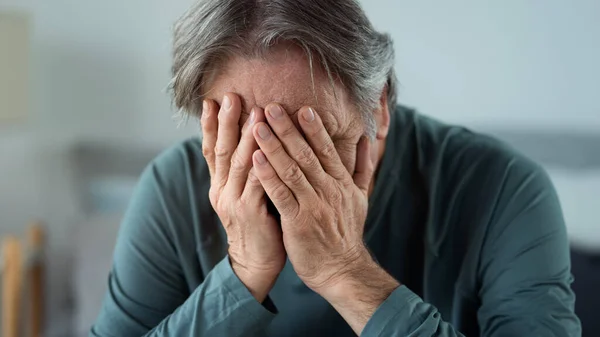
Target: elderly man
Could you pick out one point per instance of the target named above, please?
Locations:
(315, 206)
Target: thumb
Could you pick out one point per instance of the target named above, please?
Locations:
(363, 173)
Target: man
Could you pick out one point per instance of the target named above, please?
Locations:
(314, 206)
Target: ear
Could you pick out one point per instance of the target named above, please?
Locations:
(382, 115)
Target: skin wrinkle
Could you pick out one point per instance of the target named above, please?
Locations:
(342, 263)
(283, 76)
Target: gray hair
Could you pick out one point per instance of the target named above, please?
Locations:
(336, 32)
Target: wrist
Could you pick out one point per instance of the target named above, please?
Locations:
(365, 282)
(358, 294)
(258, 283)
(344, 272)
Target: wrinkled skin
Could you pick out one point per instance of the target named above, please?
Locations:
(305, 153)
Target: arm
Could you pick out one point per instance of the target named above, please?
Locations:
(147, 293)
(147, 290)
(525, 273)
(524, 263)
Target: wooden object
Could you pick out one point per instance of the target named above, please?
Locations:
(11, 286)
(35, 242)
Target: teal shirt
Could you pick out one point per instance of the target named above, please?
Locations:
(471, 229)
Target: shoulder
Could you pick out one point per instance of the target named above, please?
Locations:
(455, 154)
(178, 168)
(172, 184)
(180, 160)
(474, 181)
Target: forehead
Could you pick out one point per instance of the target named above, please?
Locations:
(283, 76)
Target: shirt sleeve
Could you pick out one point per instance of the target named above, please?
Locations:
(524, 271)
(147, 291)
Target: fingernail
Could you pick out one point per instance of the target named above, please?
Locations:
(252, 116)
(263, 132)
(226, 103)
(260, 158)
(309, 115)
(275, 111)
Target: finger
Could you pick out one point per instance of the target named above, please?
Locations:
(276, 189)
(254, 192)
(209, 125)
(295, 144)
(227, 137)
(363, 172)
(241, 161)
(287, 169)
(321, 142)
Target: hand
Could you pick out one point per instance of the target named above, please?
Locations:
(323, 208)
(255, 242)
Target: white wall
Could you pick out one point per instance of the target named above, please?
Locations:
(513, 62)
(99, 70)
(100, 67)
(107, 63)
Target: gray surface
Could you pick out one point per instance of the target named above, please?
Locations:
(96, 163)
(94, 246)
(567, 150)
(577, 151)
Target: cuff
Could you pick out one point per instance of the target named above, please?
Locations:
(396, 308)
(242, 296)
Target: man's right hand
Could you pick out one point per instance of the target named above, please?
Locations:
(255, 242)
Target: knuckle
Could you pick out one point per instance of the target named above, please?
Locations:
(314, 130)
(276, 150)
(225, 206)
(207, 152)
(209, 157)
(246, 132)
(237, 164)
(240, 207)
(312, 133)
(281, 193)
(253, 179)
(328, 151)
(305, 156)
(334, 196)
(222, 152)
(293, 174)
(288, 130)
(270, 177)
(346, 182)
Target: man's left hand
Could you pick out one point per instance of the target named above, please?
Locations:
(323, 207)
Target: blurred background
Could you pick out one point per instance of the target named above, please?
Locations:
(83, 108)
